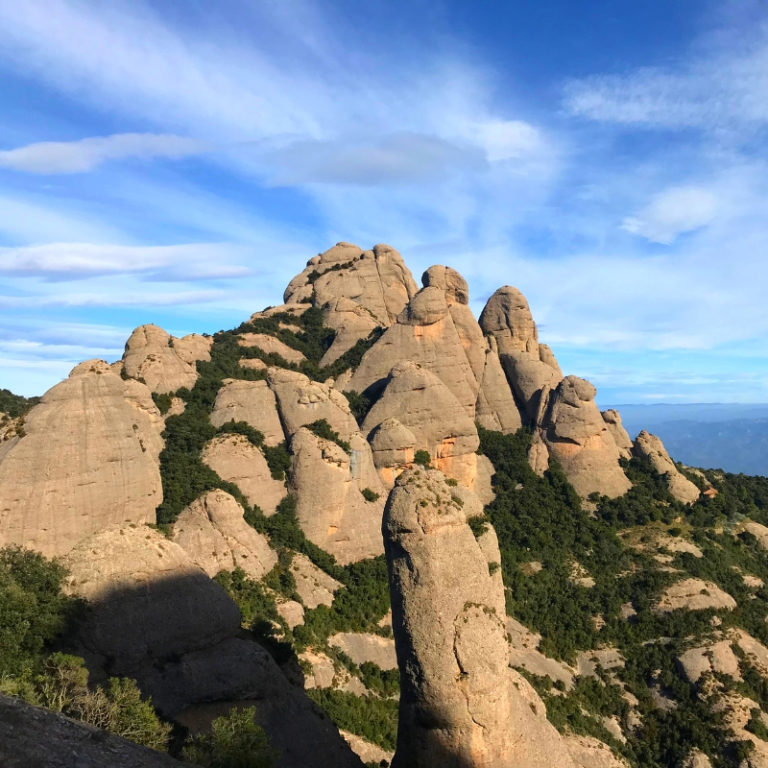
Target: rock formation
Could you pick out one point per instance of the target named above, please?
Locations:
(578, 437)
(650, 447)
(89, 459)
(620, 436)
(213, 532)
(420, 401)
(330, 506)
(164, 363)
(458, 704)
(252, 402)
(237, 460)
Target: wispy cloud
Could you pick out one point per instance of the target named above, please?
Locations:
(673, 212)
(72, 261)
(53, 157)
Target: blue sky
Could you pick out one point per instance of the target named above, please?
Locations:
(178, 163)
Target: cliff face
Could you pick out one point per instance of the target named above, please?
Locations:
(361, 401)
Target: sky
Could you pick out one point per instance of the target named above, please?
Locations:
(177, 163)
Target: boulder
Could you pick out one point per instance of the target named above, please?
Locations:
(393, 446)
(694, 595)
(717, 656)
(419, 400)
(164, 363)
(363, 646)
(331, 509)
(650, 447)
(252, 402)
(213, 532)
(460, 704)
(578, 437)
(623, 441)
(89, 459)
(237, 460)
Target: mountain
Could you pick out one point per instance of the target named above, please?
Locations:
(729, 436)
(382, 530)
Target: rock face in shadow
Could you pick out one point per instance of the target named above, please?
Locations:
(577, 436)
(650, 447)
(458, 704)
(164, 362)
(31, 737)
(89, 459)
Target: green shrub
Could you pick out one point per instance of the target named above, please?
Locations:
(235, 741)
(323, 429)
(370, 495)
(422, 458)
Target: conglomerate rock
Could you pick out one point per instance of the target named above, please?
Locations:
(620, 436)
(252, 402)
(237, 460)
(89, 459)
(420, 401)
(578, 437)
(330, 506)
(213, 532)
(650, 447)
(162, 361)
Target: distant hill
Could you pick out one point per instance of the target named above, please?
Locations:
(728, 436)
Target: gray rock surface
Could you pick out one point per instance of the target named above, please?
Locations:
(89, 460)
(237, 460)
(31, 737)
(330, 506)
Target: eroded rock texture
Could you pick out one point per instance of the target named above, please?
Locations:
(577, 436)
(458, 705)
(650, 447)
(89, 459)
(164, 362)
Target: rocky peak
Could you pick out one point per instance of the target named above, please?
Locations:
(453, 285)
(507, 317)
(650, 447)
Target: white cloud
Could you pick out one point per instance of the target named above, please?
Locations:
(673, 212)
(52, 157)
(721, 87)
(113, 299)
(510, 140)
(71, 261)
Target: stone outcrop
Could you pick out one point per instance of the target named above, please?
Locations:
(164, 362)
(459, 706)
(252, 402)
(363, 646)
(393, 446)
(313, 585)
(495, 407)
(213, 532)
(421, 402)
(147, 597)
(89, 459)
(31, 736)
(578, 437)
(650, 447)
(693, 595)
(623, 441)
(271, 346)
(531, 368)
(302, 401)
(237, 460)
(330, 506)
(377, 280)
